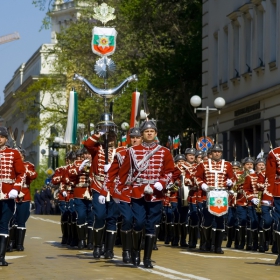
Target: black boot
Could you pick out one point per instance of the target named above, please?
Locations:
(81, 231)
(249, 240)
(274, 248)
(255, 240)
(118, 234)
(277, 238)
(219, 236)
(193, 232)
(207, 237)
(213, 241)
(183, 235)
(202, 238)
(74, 240)
(236, 238)
(143, 239)
(90, 238)
(175, 239)
(98, 240)
(167, 233)
(3, 247)
(242, 233)
(161, 236)
(149, 241)
(70, 237)
(64, 230)
(267, 239)
(12, 239)
(126, 237)
(110, 238)
(262, 241)
(157, 229)
(230, 232)
(20, 238)
(136, 247)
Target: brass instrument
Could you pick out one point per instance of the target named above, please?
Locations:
(258, 207)
(87, 167)
(240, 180)
(174, 187)
(184, 191)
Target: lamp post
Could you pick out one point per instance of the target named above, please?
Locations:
(219, 102)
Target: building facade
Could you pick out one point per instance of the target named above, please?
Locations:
(240, 50)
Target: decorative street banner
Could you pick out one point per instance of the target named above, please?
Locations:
(217, 202)
(104, 40)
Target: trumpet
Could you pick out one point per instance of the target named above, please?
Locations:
(258, 207)
(87, 167)
(240, 181)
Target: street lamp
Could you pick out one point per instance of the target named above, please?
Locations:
(219, 102)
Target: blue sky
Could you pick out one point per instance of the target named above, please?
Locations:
(22, 17)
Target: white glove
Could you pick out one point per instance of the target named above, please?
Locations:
(158, 186)
(169, 186)
(148, 190)
(82, 166)
(101, 199)
(13, 194)
(107, 167)
(64, 193)
(229, 182)
(255, 201)
(116, 200)
(231, 192)
(252, 171)
(204, 187)
(267, 202)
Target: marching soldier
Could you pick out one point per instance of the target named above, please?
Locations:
(266, 206)
(98, 171)
(145, 173)
(23, 202)
(12, 180)
(215, 174)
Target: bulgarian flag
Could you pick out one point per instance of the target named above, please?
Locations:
(176, 142)
(124, 140)
(103, 40)
(70, 136)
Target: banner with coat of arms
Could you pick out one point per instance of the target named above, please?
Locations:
(104, 40)
(217, 202)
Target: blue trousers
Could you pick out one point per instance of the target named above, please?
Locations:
(210, 220)
(83, 208)
(231, 219)
(193, 215)
(276, 214)
(266, 217)
(22, 213)
(146, 214)
(253, 217)
(7, 209)
(183, 212)
(127, 216)
(241, 213)
(171, 212)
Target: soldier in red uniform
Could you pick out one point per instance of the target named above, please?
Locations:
(11, 183)
(98, 171)
(23, 202)
(273, 192)
(145, 173)
(214, 174)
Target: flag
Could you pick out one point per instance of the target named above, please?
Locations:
(124, 140)
(70, 136)
(169, 143)
(104, 40)
(176, 142)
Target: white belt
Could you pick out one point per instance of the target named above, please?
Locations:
(99, 178)
(7, 181)
(145, 181)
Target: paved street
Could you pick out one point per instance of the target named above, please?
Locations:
(45, 258)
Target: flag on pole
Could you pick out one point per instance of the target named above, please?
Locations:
(124, 140)
(70, 136)
(176, 142)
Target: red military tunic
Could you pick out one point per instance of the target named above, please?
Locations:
(60, 179)
(214, 174)
(97, 173)
(273, 173)
(241, 199)
(30, 175)
(250, 187)
(80, 180)
(111, 178)
(12, 171)
(136, 172)
(262, 186)
(172, 195)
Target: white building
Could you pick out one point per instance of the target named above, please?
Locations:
(240, 50)
(26, 74)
